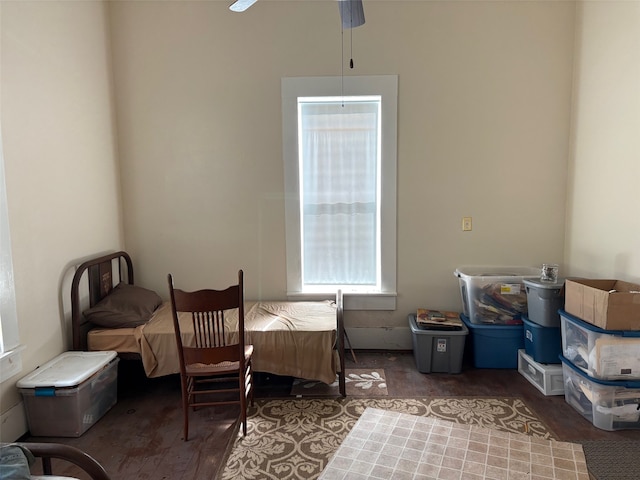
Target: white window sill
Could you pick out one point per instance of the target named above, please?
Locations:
(353, 301)
(11, 363)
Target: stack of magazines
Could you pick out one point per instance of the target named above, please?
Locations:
(438, 320)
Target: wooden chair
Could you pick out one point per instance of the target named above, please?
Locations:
(68, 453)
(215, 364)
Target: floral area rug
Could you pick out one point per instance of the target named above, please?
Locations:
(358, 382)
(294, 438)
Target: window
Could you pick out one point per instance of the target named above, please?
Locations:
(339, 148)
(338, 155)
(10, 361)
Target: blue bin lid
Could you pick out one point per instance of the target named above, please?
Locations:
(593, 328)
(609, 383)
(532, 324)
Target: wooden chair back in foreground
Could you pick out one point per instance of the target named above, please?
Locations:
(48, 451)
(215, 362)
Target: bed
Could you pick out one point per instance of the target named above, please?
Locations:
(109, 312)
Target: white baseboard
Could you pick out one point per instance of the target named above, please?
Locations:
(381, 338)
(13, 424)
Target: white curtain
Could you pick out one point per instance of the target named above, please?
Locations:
(339, 192)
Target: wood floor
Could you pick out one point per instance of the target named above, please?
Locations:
(141, 436)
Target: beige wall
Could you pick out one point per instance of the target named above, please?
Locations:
(603, 233)
(484, 131)
(61, 174)
(484, 116)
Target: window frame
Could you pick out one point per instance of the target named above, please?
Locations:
(10, 348)
(386, 86)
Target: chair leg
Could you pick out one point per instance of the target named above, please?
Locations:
(243, 417)
(242, 379)
(185, 407)
(252, 386)
(186, 422)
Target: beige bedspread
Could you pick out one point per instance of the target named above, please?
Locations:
(290, 338)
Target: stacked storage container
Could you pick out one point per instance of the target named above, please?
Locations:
(601, 366)
(539, 362)
(493, 304)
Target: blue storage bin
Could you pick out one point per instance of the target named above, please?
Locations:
(495, 346)
(543, 344)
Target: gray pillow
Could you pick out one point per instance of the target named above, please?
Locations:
(125, 306)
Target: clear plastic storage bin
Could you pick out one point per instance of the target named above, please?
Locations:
(494, 295)
(609, 405)
(602, 354)
(69, 394)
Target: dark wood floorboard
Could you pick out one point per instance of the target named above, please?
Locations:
(141, 436)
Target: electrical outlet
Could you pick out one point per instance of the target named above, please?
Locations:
(466, 224)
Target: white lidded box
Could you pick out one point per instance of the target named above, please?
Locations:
(67, 395)
(548, 378)
(494, 295)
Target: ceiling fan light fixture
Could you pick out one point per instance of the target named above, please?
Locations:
(351, 13)
(241, 5)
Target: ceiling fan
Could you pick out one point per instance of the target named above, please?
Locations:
(351, 11)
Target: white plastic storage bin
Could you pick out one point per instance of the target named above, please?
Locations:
(544, 299)
(494, 295)
(602, 354)
(546, 378)
(67, 395)
(609, 405)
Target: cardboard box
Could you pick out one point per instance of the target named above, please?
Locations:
(608, 304)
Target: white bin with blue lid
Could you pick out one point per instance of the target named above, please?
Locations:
(607, 404)
(602, 354)
(67, 395)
